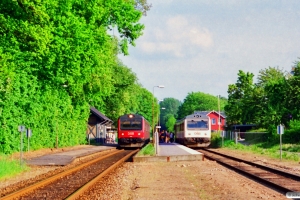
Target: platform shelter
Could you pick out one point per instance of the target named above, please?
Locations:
(98, 126)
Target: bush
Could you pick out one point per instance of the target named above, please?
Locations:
(255, 137)
(216, 140)
(292, 135)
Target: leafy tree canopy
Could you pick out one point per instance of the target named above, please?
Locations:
(57, 59)
(198, 101)
(170, 122)
(270, 102)
(270, 74)
(296, 69)
(143, 6)
(170, 106)
(238, 95)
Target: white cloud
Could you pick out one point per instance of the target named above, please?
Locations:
(200, 45)
(177, 36)
(148, 47)
(201, 37)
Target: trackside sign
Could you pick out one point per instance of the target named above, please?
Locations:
(280, 129)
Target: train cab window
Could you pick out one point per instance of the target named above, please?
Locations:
(197, 124)
(131, 124)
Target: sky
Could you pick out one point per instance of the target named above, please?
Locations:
(200, 45)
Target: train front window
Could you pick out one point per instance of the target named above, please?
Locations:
(203, 124)
(131, 124)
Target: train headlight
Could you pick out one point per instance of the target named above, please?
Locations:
(122, 133)
(139, 133)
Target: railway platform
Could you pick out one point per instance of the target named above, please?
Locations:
(171, 152)
(166, 152)
(67, 157)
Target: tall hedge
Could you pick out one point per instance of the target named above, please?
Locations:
(56, 59)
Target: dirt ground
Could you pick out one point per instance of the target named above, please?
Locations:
(175, 180)
(182, 180)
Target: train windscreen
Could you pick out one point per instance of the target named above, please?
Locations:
(192, 124)
(131, 124)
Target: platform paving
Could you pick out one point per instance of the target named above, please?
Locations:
(166, 152)
(67, 157)
(171, 152)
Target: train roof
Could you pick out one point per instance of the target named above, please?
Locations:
(135, 115)
(195, 116)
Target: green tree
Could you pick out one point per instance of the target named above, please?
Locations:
(292, 100)
(262, 104)
(198, 101)
(276, 98)
(171, 120)
(56, 59)
(121, 99)
(271, 74)
(296, 69)
(170, 106)
(239, 96)
(143, 6)
(144, 103)
(271, 111)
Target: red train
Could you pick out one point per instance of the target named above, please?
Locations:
(133, 130)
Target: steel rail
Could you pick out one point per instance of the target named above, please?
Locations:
(277, 171)
(55, 177)
(239, 169)
(88, 185)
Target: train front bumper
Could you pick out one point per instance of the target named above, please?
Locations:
(130, 140)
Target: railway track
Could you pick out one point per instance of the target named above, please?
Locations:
(72, 183)
(274, 178)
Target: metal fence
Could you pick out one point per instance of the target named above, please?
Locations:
(248, 137)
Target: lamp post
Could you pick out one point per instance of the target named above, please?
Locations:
(158, 113)
(153, 131)
(219, 112)
(159, 119)
(220, 121)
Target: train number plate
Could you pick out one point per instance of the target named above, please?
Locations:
(130, 133)
(197, 133)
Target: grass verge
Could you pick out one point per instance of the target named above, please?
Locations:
(10, 168)
(148, 150)
(288, 154)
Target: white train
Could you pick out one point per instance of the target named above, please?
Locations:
(193, 130)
